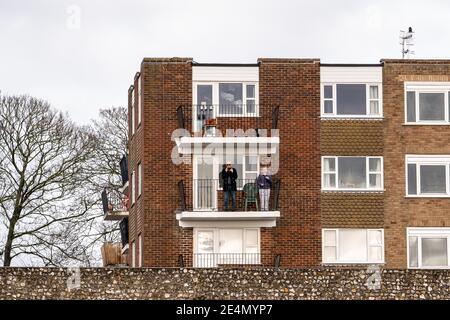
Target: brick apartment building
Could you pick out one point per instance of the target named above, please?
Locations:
(359, 157)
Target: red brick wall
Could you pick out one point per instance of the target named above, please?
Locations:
(294, 85)
(166, 84)
(400, 139)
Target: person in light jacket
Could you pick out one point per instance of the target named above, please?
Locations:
(264, 183)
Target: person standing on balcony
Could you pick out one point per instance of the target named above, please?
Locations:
(264, 183)
(229, 176)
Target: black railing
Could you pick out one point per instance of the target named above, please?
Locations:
(124, 169)
(213, 260)
(114, 201)
(208, 118)
(209, 194)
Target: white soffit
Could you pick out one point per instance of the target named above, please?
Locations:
(351, 74)
(209, 73)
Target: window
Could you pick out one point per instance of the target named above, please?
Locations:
(427, 176)
(133, 186)
(133, 254)
(352, 173)
(428, 248)
(139, 111)
(132, 112)
(427, 103)
(215, 246)
(140, 251)
(225, 99)
(351, 100)
(139, 179)
(352, 245)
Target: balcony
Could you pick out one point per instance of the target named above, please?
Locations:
(201, 203)
(251, 124)
(115, 205)
(214, 260)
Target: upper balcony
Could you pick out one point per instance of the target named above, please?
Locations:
(239, 124)
(202, 201)
(115, 205)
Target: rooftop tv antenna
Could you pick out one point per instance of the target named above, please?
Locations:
(406, 40)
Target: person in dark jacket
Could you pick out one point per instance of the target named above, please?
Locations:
(229, 176)
(264, 183)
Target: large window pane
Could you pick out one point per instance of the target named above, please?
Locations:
(352, 245)
(351, 99)
(411, 106)
(230, 98)
(352, 172)
(412, 178)
(431, 106)
(432, 179)
(434, 252)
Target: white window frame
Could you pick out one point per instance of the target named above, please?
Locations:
(140, 250)
(336, 172)
(346, 116)
(139, 172)
(133, 120)
(133, 187)
(419, 160)
(133, 254)
(216, 98)
(336, 231)
(216, 238)
(427, 87)
(139, 92)
(423, 233)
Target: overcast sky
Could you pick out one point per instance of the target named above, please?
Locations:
(82, 55)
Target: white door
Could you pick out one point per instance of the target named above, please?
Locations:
(204, 184)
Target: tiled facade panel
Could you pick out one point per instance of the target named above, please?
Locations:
(352, 210)
(351, 137)
(399, 140)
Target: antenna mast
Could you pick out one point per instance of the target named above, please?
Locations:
(406, 40)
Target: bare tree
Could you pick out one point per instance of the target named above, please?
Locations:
(111, 131)
(51, 176)
(42, 168)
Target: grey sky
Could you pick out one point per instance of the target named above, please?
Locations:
(44, 53)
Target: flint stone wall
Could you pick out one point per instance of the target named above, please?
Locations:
(175, 283)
